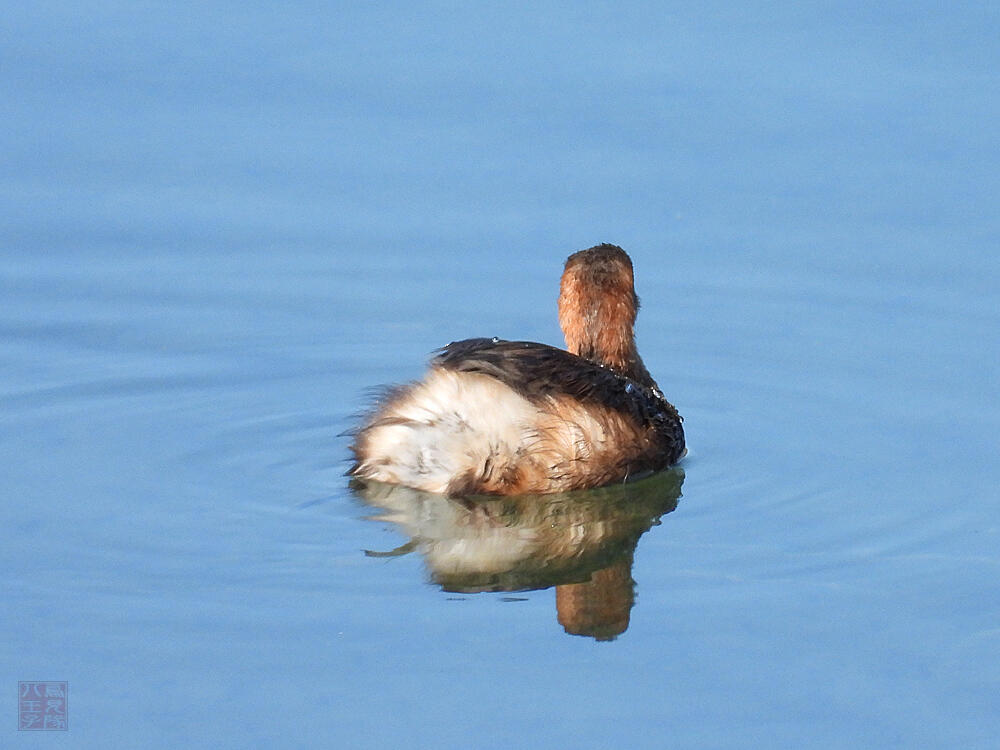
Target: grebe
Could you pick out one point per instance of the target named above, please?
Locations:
(496, 417)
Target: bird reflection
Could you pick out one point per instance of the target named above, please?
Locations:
(580, 542)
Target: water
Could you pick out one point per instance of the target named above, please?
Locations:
(220, 224)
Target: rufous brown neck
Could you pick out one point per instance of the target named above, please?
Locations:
(597, 310)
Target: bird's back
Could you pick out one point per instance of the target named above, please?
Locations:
(511, 417)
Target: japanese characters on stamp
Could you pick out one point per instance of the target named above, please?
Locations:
(43, 705)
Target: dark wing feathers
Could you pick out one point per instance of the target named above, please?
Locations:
(533, 370)
(537, 371)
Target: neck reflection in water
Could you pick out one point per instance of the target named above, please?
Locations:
(581, 542)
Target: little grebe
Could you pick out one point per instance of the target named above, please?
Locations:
(499, 417)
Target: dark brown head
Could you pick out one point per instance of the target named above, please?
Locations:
(597, 309)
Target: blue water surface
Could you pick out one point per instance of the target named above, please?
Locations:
(221, 223)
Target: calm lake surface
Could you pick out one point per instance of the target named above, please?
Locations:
(220, 224)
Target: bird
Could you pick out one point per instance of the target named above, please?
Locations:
(496, 417)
